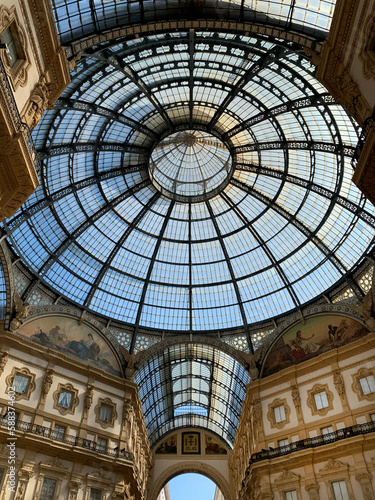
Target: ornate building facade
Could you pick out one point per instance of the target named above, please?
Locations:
(187, 259)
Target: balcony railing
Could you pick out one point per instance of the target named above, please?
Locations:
(347, 432)
(19, 125)
(57, 435)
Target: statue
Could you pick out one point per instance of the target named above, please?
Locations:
(252, 360)
(3, 361)
(339, 383)
(88, 400)
(47, 382)
(22, 311)
(38, 103)
(296, 397)
(131, 360)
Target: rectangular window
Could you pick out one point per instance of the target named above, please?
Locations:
(372, 416)
(105, 413)
(367, 384)
(58, 433)
(101, 445)
(290, 495)
(65, 399)
(48, 489)
(340, 491)
(283, 442)
(96, 494)
(20, 383)
(8, 37)
(279, 413)
(321, 400)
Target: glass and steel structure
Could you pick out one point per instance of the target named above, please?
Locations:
(196, 176)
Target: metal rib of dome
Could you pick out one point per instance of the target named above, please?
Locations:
(192, 385)
(287, 226)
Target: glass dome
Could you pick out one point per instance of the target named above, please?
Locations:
(193, 179)
(190, 165)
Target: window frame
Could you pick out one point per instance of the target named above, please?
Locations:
(311, 400)
(271, 415)
(103, 423)
(74, 401)
(24, 372)
(357, 387)
(17, 72)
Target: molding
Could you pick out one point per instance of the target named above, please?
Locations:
(356, 386)
(107, 402)
(30, 385)
(333, 71)
(74, 51)
(311, 401)
(271, 414)
(367, 52)
(74, 401)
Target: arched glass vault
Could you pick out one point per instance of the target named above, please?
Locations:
(196, 178)
(192, 385)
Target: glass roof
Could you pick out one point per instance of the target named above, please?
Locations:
(190, 163)
(192, 385)
(285, 226)
(77, 19)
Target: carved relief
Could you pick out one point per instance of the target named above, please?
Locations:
(38, 103)
(367, 52)
(47, 383)
(3, 361)
(339, 383)
(296, 398)
(312, 489)
(88, 400)
(22, 311)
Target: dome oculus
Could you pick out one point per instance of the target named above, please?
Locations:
(190, 164)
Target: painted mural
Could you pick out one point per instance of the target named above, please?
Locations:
(79, 341)
(304, 341)
(213, 447)
(168, 446)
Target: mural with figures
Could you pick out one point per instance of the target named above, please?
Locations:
(304, 341)
(79, 341)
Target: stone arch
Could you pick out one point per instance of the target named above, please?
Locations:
(190, 467)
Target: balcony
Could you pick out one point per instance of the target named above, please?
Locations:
(58, 436)
(347, 432)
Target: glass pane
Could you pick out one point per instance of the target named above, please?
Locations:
(340, 490)
(321, 400)
(279, 413)
(48, 489)
(20, 383)
(367, 384)
(65, 399)
(105, 413)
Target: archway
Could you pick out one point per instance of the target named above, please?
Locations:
(190, 467)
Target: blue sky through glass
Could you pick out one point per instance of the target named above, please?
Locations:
(188, 486)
